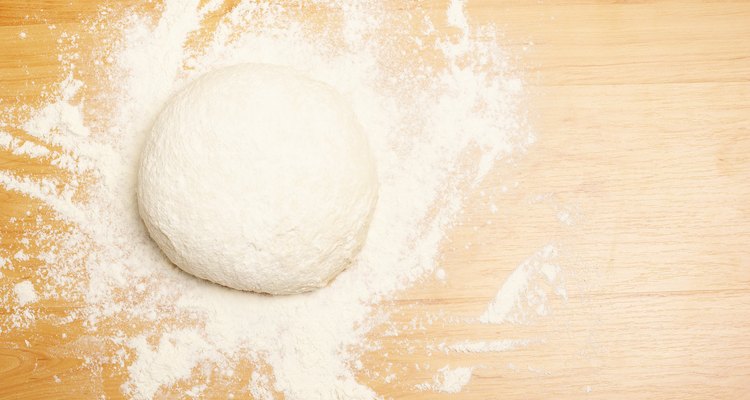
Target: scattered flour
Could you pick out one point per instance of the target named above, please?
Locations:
(448, 380)
(486, 346)
(423, 118)
(522, 292)
(440, 274)
(25, 293)
(260, 387)
(31, 149)
(5, 140)
(21, 255)
(171, 360)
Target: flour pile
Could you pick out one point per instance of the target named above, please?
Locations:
(438, 111)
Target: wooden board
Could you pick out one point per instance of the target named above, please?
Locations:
(643, 115)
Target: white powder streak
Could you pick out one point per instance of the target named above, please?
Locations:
(486, 346)
(26, 148)
(25, 293)
(448, 380)
(31, 149)
(46, 191)
(59, 117)
(509, 302)
(6, 140)
(172, 360)
(457, 15)
(259, 387)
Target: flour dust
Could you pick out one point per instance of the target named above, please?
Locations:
(439, 110)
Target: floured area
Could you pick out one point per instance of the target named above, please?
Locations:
(438, 109)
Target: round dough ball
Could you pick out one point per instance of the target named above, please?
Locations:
(258, 178)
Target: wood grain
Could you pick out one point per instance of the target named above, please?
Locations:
(641, 111)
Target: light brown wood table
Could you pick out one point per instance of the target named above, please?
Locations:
(642, 112)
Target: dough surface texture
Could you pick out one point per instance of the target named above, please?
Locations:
(258, 178)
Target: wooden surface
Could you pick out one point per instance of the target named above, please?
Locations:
(643, 115)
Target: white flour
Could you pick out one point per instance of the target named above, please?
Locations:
(485, 346)
(522, 294)
(448, 380)
(430, 103)
(25, 293)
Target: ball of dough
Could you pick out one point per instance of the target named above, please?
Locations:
(258, 178)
